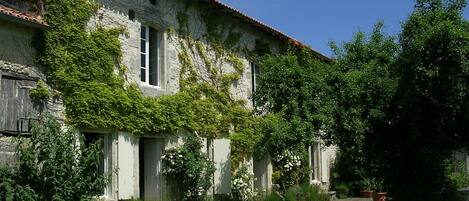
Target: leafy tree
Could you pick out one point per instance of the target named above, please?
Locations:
(55, 164)
(429, 116)
(290, 87)
(362, 82)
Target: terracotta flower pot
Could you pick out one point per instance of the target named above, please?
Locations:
(366, 193)
(381, 196)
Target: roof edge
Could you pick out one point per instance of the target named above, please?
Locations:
(266, 28)
(24, 18)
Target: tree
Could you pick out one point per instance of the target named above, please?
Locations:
(361, 82)
(290, 87)
(54, 165)
(429, 115)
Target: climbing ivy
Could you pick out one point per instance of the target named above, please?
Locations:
(81, 64)
(40, 92)
(84, 65)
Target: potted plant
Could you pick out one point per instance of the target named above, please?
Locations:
(380, 195)
(368, 185)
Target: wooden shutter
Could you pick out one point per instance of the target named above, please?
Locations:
(16, 107)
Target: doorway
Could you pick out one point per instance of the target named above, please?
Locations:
(152, 183)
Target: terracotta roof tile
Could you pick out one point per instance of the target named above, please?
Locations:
(37, 19)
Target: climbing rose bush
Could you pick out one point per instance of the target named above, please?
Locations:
(189, 169)
(289, 160)
(242, 184)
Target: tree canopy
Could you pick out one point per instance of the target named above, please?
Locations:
(396, 106)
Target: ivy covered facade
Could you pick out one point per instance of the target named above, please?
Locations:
(140, 75)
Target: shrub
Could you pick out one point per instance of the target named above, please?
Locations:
(343, 190)
(55, 164)
(189, 168)
(306, 192)
(242, 184)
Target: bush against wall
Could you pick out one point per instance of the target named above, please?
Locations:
(189, 168)
(290, 88)
(242, 184)
(304, 192)
(55, 164)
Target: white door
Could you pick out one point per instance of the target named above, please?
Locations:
(153, 179)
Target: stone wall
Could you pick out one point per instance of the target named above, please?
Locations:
(163, 17)
(17, 59)
(7, 151)
(17, 53)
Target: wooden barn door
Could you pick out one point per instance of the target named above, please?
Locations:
(16, 107)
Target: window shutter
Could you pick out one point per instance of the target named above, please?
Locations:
(16, 107)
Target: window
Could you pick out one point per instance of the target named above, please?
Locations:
(104, 166)
(131, 14)
(150, 65)
(153, 2)
(255, 74)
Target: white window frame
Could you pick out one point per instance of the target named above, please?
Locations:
(147, 67)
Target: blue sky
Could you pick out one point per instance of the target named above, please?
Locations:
(316, 22)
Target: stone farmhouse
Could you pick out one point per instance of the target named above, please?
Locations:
(150, 51)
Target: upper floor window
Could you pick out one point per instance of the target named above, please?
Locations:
(255, 74)
(150, 65)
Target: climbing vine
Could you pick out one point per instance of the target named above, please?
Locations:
(40, 92)
(82, 63)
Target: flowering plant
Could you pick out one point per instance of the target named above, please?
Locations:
(189, 168)
(290, 168)
(288, 160)
(242, 184)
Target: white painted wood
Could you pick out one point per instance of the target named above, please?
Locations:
(221, 157)
(153, 178)
(324, 167)
(126, 167)
(315, 157)
(260, 173)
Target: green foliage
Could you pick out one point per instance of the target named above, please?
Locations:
(81, 64)
(428, 118)
(362, 83)
(242, 184)
(54, 165)
(11, 189)
(262, 48)
(343, 190)
(229, 115)
(306, 192)
(40, 92)
(191, 170)
(290, 87)
(457, 173)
